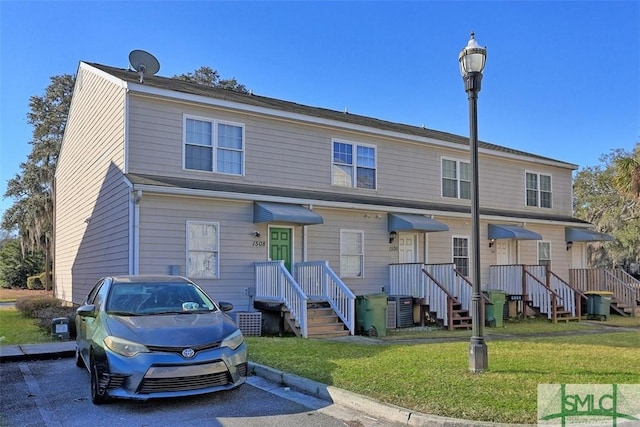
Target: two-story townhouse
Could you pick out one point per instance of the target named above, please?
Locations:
(171, 177)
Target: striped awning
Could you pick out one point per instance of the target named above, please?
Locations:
(515, 232)
(403, 222)
(284, 213)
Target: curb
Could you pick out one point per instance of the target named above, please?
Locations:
(372, 407)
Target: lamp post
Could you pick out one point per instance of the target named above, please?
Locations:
(472, 59)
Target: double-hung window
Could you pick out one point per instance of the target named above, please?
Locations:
(351, 253)
(544, 253)
(461, 254)
(203, 249)
(213, 146)
(353, 165)
(538, 190)
(456, 179)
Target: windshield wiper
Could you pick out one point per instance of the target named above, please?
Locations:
(123, 313)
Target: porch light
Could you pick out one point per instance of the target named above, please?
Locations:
(392, 236)
(492, 242)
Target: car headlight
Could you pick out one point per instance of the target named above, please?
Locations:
(124, 347)
(233, 341)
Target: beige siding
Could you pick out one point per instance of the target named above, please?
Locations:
(295, 155)
(91, 209)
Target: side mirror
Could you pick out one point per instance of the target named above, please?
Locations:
(225, 306)
(87, 311)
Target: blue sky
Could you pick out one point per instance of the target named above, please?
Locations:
(562, 78)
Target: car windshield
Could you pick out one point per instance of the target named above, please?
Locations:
(140, 299)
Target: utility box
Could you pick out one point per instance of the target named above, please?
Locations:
(371, 314)
(404, 310)
(598, 304)
(60, 328)
(494, 311)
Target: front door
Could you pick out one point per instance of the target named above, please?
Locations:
(503, 252)
(280, 247)
(407, 248)
(578, 255)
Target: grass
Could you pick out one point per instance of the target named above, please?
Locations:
(17, 329)
(407, 370)
(435, 378)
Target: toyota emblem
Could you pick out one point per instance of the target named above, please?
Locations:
(188, 353)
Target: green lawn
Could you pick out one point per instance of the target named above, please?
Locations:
(406, 370)
(435, 378)
(17, 329)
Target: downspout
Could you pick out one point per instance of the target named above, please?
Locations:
(134, 254)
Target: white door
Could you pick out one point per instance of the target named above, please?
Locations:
(578, 255)
(503, 252)
(407, 248)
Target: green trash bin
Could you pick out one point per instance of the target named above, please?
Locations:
(371, 314)
(493, 313)
(598, 304)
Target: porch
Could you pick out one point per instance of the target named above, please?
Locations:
(312, 301)
(441, 293)
(624, 287)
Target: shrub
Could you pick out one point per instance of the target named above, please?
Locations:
(30, 304)
(35, 283)
(44, 316)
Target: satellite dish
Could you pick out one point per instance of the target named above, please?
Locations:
(144, 63)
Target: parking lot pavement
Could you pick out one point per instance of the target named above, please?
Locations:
(332, 401)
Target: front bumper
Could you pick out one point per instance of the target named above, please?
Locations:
(167, 374)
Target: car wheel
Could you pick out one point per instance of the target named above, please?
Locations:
(79, 361)
(98, 395)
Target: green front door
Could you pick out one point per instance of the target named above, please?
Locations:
(280, 245)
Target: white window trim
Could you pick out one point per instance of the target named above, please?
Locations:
(458, 180)
(453, 237)
(538, 250)
(188, 246)
(361, 233)
(539, 190)
(355, 145)
(214, 146)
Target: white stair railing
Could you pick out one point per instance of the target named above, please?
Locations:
(275, 283)
(317, 279)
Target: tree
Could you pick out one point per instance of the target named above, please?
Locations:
(16, 266)
(207, 76)
(606, 197)
(32, 212)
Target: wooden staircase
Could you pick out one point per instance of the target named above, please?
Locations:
(322, 322)
(459, 318)
(625, 309)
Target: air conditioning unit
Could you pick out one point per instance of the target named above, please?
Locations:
(404, 310)
(391, 314)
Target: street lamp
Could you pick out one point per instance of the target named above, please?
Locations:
(472, 59)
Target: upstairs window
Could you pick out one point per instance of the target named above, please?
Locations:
(213, 146)
(456, 179)
(353, 165)
(538, 191)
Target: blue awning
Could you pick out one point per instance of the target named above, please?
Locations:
(402, 222)
(515, 232)
(282, 212)
(584, 235)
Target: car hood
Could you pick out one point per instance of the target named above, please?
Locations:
(172, 330)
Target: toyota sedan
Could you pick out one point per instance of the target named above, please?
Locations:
(143, 337)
